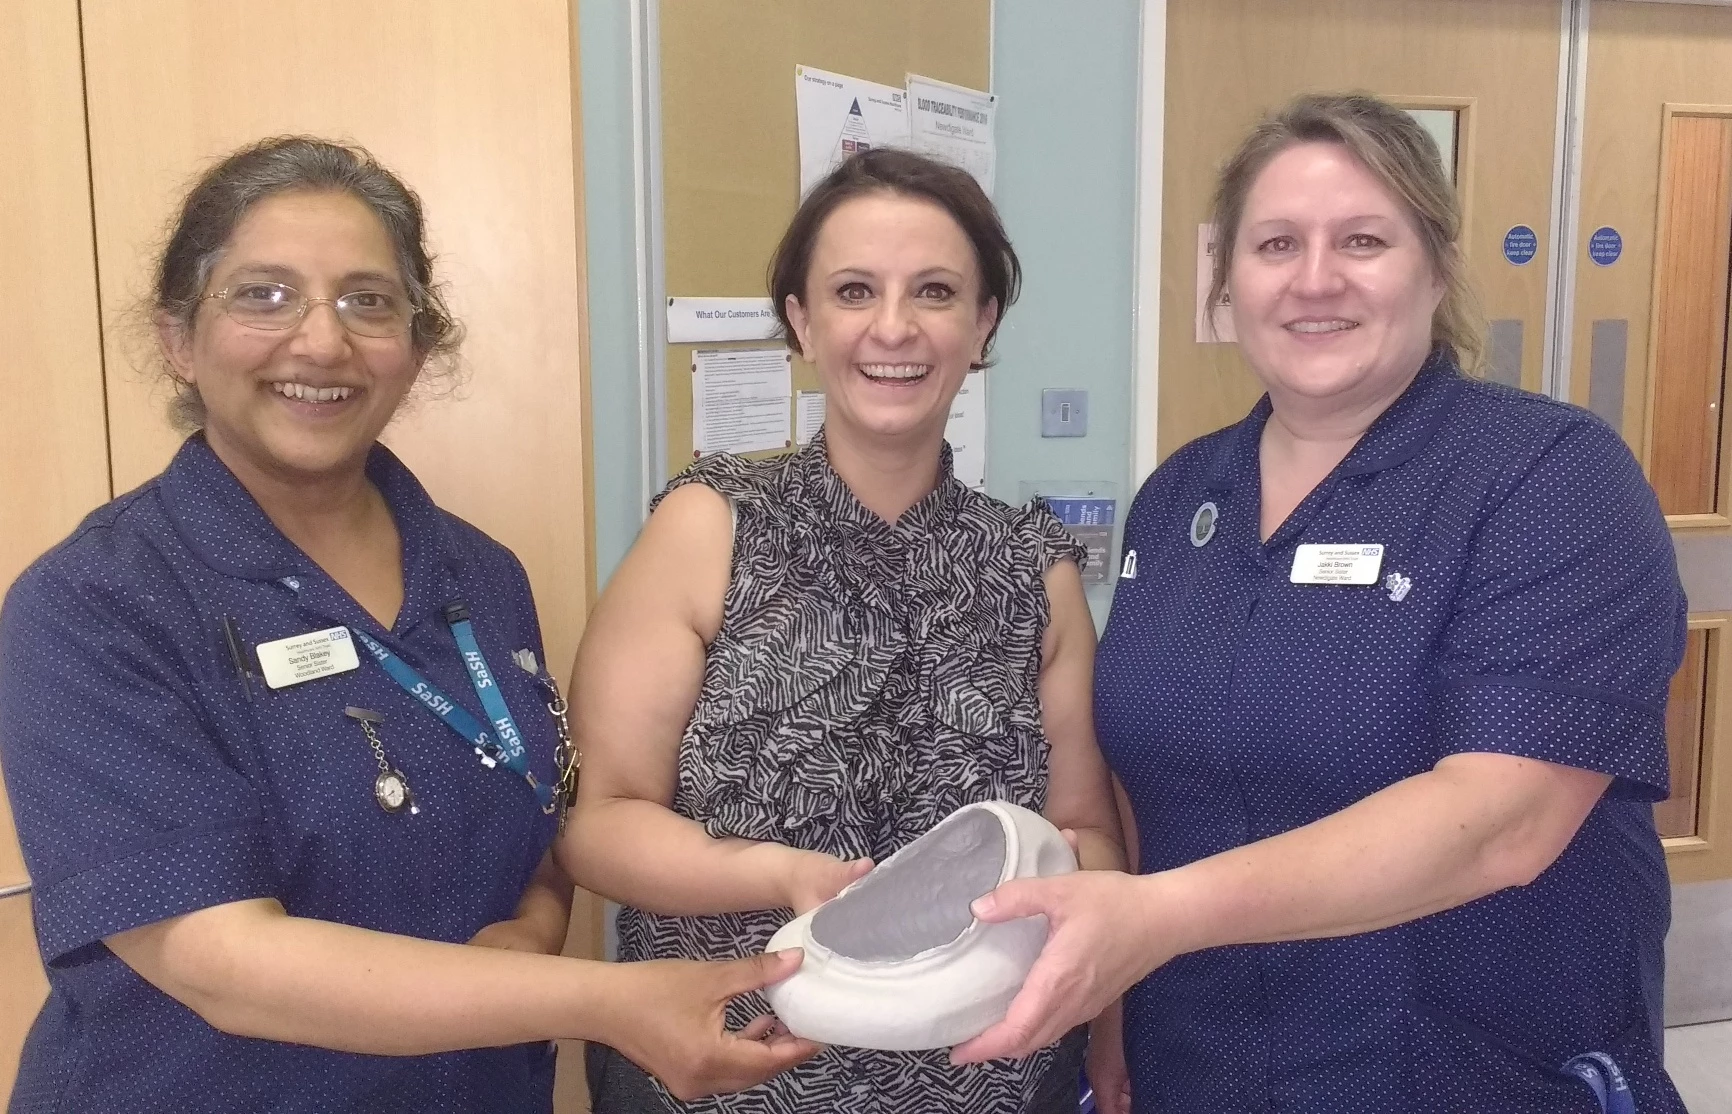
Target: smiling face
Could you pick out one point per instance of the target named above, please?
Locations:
(892, 316)
(1332, 290)
(311, 399)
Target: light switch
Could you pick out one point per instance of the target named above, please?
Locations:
(1064, 413)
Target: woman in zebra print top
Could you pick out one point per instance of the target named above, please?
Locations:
(804, 663)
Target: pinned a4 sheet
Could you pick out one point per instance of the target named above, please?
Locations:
(741, 400)
(956, 124)
(838, 115)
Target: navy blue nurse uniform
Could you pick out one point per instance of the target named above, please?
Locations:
(1528, 604)
(150, 779)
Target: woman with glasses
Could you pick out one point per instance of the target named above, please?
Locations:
(276, 730)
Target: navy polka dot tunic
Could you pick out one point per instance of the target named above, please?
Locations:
(1528, 604)
(147, 783)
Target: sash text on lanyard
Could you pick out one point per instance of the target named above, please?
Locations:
(503, 743)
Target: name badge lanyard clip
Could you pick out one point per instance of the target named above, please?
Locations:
(507, 746)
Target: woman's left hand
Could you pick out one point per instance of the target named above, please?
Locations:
(1105, 931)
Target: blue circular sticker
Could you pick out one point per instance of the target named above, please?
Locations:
(1520, 245)
(1605, 246)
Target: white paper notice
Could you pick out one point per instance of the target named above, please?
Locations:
(955, 124)
(691, 320)
(966, 431)
(1222, 332)
(808, 416)
(740, 400)
(840, 115)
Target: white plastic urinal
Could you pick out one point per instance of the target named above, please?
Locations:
(898, 961)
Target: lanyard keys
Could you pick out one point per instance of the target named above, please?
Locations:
(565, 758)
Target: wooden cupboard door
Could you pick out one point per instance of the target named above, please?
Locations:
(1649, 351)
(473, 105)
(1678, 816)
(53, 450)
(1229, 61)
(23, 985)
(1683, 442)
(1657, 171)
(1695, 822)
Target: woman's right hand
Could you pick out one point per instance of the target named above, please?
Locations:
(672, 1023)
(810, 878)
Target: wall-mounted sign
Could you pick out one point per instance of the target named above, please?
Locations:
(695, 320)
(1605, 246)
(1520, 245)
(1090, 521)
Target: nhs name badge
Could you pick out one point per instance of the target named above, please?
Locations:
(1337, 564)
(307, 657)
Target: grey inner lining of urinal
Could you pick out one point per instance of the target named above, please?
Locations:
(919, 900)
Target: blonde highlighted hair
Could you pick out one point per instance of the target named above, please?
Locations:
(1399, 154)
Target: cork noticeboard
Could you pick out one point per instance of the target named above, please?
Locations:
(730, 154)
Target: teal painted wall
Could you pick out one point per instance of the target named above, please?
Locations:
(604, 38)
(1067, 76)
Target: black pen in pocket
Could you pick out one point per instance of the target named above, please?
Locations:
(233, 638)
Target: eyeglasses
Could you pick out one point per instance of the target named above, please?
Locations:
(274, 307)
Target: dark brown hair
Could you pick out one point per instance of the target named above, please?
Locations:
(904, 174)
(1401, 156)
(224, 194)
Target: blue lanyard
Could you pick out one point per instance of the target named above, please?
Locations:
(1602, 1076)
(503, 743)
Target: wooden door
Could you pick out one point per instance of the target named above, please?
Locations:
(472, 104)
(1649, 348)
(1493, 61)
(53, 451)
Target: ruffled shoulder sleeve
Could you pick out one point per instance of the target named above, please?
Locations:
(734, 477)
(1056, 543)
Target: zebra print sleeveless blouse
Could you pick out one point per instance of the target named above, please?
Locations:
(867, 680)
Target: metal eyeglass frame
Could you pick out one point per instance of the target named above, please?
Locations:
(306, 304)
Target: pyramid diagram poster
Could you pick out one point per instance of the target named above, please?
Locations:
(838, 115)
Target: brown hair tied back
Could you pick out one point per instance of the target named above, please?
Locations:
(904, 174)
(225, 193)
(1399, 154)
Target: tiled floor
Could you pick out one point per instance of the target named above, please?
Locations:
(1699, 1058)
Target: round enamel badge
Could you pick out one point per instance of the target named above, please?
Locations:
(1203, 524)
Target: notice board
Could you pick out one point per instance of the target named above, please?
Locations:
(730, 153)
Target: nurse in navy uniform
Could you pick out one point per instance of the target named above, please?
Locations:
(1385, 683)
(277, 729)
